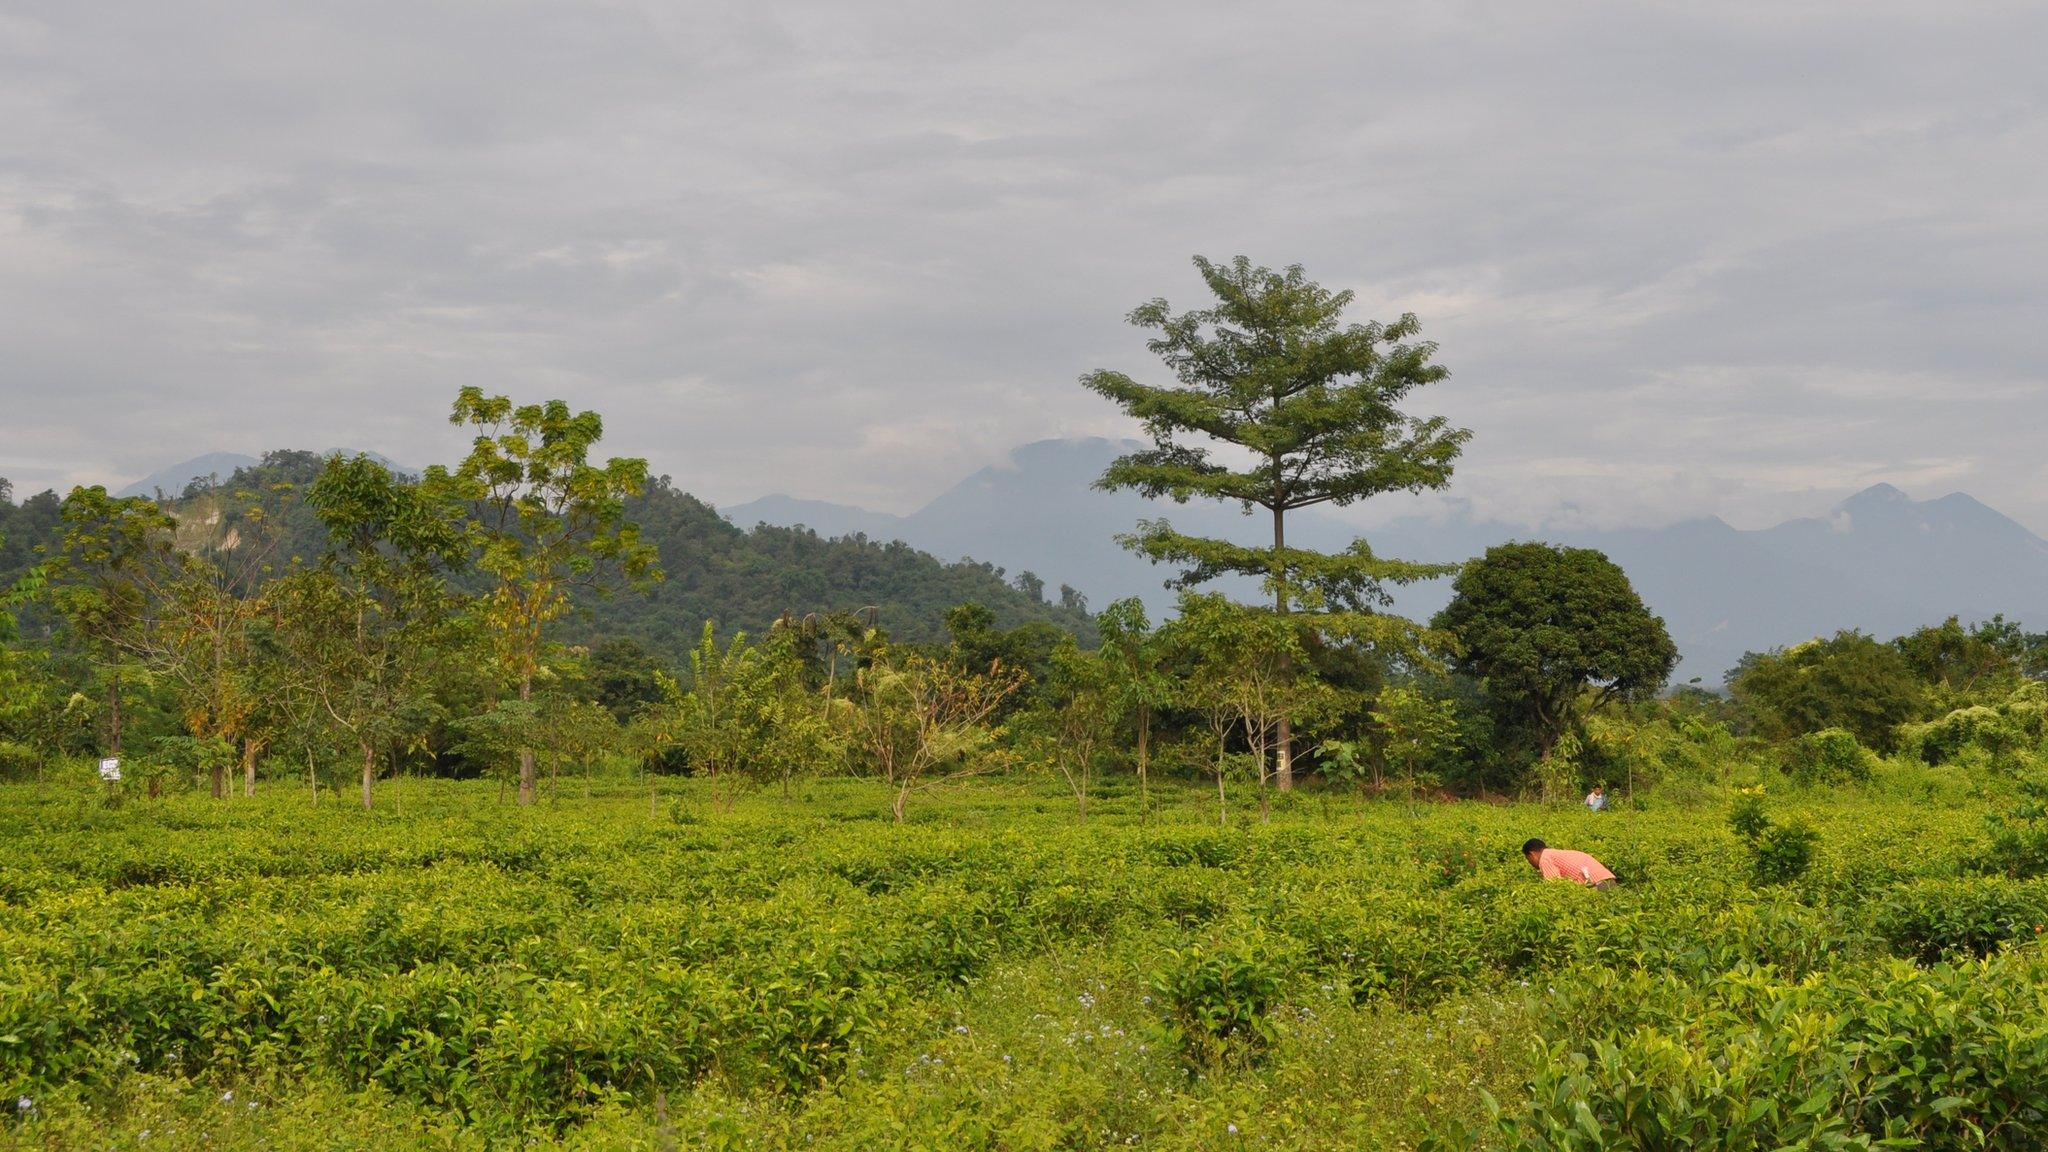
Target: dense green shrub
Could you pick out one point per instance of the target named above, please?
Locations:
(1829, 756)
(1942, 1058)
(1218, 997)
(2019, 838)
(2027, 709)
(1936, 918)
(1977, 726)
(1746, 815)
(1778, 853)
(1848, 681)
(1783, 852)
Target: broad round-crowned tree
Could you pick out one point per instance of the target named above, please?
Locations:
(1550, 632)
(1849, 681)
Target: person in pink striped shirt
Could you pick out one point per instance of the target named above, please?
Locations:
(1565, 864)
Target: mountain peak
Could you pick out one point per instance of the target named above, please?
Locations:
(1062, 452)
(172, 480)
(1876, 496)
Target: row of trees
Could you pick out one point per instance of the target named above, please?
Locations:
(419, 615)
(368, 617)
(1277, 404)
(414, 581)
(1876, 691)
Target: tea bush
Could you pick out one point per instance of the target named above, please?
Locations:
(2019, 837)
(804, 975)
(1218, 996)
(1779, 853)
(1947, 1057)
(1939, 918)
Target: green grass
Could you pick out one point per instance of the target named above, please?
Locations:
(606, 972)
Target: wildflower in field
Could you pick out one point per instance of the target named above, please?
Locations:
(24, 1104)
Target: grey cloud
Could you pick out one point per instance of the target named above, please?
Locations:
(1729, 258)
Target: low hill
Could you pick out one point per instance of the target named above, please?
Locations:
(741, 579)
(745, 579)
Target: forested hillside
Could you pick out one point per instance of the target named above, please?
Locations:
(22, 528)
(745, 579)
(742, 580)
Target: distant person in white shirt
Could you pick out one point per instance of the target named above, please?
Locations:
(1596, 800)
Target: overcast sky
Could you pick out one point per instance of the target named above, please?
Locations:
(1685, 258)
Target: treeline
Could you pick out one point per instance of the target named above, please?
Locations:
(529, 608)
(310, 610)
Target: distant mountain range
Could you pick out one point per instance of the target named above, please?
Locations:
(173, 480)
(1880, 560)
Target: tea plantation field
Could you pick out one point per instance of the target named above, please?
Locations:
(604, 972)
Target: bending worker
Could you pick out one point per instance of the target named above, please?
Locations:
(1565, 864)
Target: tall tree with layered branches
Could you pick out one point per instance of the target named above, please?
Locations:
(1279, 404)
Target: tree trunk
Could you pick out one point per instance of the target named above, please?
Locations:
(220, 779)
(1222, 801)
(1144, 791)
(114, 713)
(1265, 797)
(528, 778)
(251, 749)
(1283, 756)
(902, 801)
(369, 771)
(312, 777)
(665, 1135)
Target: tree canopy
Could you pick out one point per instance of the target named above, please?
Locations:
(1540, 625)
(1847, 681)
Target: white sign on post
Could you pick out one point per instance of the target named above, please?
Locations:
(110, 769)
